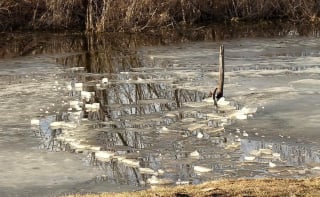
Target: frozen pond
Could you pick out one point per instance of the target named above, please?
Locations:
(138, 114)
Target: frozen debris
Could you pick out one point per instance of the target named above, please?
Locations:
(172, 115)
(78, 86)
(189, 120)
(77, 69)
(237, 139)
(208, 100)
(157, 181)
(197, 104)
(306, 82)
(87, 95)
(69, 87)
(164, 130)
(241, 116)
(265, 151)
(247, 110)
(195, 154)
(276, 155)
(201, 169)
(94, 107)
(61, 124)
(56, 125)
(160, 171)
(199, 135)
(249, 158)
(35, 122)
(222, 101)
(75, 116)
(272, 165)
(233, 145)
(244, 113)
(179, 182)
(255, 153)
(130, 162)
(104, 155)
(195, 126)
(146, 171)
(75, 105)
(78, 146)
(104, 80)
(95, 148)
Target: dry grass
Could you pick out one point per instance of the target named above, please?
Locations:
(142, 15)
(256, 187)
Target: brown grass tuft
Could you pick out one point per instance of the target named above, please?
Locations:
(252, 187)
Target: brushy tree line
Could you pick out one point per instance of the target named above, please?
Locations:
(144, 15)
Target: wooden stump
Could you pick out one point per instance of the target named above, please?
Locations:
(218, 92)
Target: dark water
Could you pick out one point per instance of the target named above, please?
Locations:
(151, 121)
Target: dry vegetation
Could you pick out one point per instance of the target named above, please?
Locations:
(260, 187)
(143, 15)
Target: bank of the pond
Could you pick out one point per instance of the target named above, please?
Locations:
(242, 187)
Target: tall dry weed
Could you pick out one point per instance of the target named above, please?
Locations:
(142, 15)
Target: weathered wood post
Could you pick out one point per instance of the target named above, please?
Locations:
(218, 92)
(221, 73)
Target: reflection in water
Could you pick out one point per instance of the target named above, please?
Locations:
(141, 117)
(297, 154)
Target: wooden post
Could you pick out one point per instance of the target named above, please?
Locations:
(221, 73)
(218, 92)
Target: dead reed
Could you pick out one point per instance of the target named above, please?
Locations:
(143, 15)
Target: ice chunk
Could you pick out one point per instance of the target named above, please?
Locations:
(104, 155)
(146, 171)
(35, 122)
(201, 169)
(249, 158)
(195, 154)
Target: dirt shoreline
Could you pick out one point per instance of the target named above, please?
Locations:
(239, 187)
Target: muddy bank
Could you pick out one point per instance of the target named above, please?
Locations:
(264, 187)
